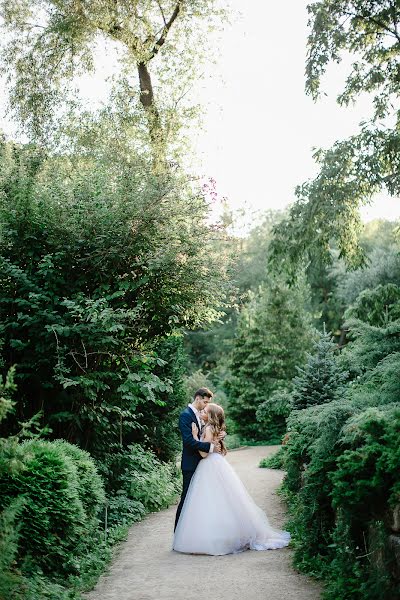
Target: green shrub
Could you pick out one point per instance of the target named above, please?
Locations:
(149, 481)
(343, 473)
(233, 440)
(140, 482)
(276, 461)
(365, 484)
(54, 529)
(10, 581)
(90, 485)
(272, 414)
(122, 510)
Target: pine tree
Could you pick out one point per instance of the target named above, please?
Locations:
(274, 334)
(322, 379)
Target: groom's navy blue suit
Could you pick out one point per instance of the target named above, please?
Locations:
(190, 452)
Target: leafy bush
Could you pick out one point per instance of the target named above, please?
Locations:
(123, 510)
(90, 488)
(272, 414)
(343, 464)
(54, 527)
(274, 333)
(276, 461)
(141, 483)
(232, 441)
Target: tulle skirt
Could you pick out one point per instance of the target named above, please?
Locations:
(220, 517)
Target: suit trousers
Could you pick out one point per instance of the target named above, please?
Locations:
(187, 476)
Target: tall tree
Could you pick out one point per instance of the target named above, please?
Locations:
(51, 42)
(274, 334)
(321, 380)
(353, 170)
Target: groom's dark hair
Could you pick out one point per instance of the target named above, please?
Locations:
(203, 392)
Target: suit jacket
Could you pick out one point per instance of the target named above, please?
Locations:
(191, 447)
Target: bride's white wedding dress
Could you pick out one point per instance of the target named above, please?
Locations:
(220, 517)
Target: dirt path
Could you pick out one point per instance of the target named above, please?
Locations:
(147, 569)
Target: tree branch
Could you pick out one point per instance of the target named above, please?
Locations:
(372, 19)
(162, 13)
(161, 40)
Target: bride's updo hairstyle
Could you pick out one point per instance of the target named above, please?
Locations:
(216, 420)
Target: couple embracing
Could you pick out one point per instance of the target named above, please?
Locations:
(216, 515)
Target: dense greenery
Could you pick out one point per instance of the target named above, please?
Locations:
(342, 460)
(52, 508)
(98, 265)
(118, 298)
(101, 267)
(273, 335)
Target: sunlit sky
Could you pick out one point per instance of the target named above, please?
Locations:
(259, 127)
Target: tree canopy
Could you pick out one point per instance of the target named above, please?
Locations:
(353, 170)
(49, 43)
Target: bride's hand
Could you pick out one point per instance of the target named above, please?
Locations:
(195, 431)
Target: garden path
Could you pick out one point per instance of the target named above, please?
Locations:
(145, 567)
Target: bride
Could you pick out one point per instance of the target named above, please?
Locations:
(219, 516)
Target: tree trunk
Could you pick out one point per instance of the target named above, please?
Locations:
(156, 130)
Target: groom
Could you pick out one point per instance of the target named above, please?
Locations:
(191, 447)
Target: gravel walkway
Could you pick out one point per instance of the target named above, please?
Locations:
(145, 567)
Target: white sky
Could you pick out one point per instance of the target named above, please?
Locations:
(259, 127)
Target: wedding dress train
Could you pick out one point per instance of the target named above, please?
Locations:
(220, 517)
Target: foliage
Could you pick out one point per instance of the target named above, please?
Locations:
(276, 461)
(49, 527)
(321, 380)
(159, 422)
(353, 170)
(137, 483)
(10, 463)
(209, 348)
(370, 32)
(84, 308)
(273, 336)
(123, 510)
(46, 45)
(14, 585)
(342, 465)
(383, 266)
(378, 307)
(327, 305)
(55, 525)
(273, 412)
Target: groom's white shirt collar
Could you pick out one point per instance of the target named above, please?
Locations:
(196, 412)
